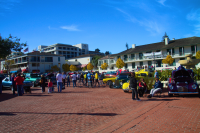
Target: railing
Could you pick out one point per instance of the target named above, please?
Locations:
(181, 53)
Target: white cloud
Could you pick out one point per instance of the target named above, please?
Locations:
(51, 28)
(70, 28)
(8, 5)
(150, 25)
(161, 2)
(194, 17)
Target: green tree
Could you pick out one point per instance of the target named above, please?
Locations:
(8, 65)
(55, 68)
(10, 44)
(84, 68)
(95, 60)
(168, 60)
(97, 50)
(198, 55)
(104, 66)
(107, 53)
(73, 68)
(65, 67)
(120, 63)
(90, 66)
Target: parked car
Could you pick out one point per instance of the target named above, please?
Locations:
(34, 78)
(183, 82)
(6, 82)
(120, 79)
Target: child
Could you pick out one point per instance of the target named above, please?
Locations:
(50, 85)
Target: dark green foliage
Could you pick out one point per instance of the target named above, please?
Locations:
(94, 61)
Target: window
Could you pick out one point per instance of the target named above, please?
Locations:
(141, 64)
(125, 57)
(133, 65)
(72, 49)
(83, 50)
(106, 61)
(126, 66)
(111, 61)
(140, 55)
(174, 63)
(59, 47)
(64, 52)
(48, 59)
(169, 51)
(35, 64)
(64, 48)
(58, 58)
(59, 52)
(132, 56)
(193, 49)
(181, 51)
(182, 58)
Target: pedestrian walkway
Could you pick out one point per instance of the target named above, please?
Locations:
(94, 110)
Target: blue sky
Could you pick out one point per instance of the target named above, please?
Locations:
(104, 24)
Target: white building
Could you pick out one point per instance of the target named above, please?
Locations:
(151, 55)
(68, 51)
(36, 61)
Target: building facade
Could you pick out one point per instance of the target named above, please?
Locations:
(36, 61)
(151, 55)
(68, 51)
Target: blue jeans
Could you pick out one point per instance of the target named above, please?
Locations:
(19, 89)
(22, 89)
(59, 86)
(68, 82)
(74, 83)
(0, 88)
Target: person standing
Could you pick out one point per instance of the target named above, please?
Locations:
(59, 81)
(42, 81)
(63, 79)
(133, 85)
(85, 77)
(1, 85)
(81, 78)
(156, 75)
(68, 79)
(74, 79)
(19, 82)
(96, 78)
(13, 83)
(142, 87)
(50, 85)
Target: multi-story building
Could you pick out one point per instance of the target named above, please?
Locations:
(151, 55)
(68, 51)
(96, 53)
(35, 61)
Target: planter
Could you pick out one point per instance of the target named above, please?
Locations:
(165, 84)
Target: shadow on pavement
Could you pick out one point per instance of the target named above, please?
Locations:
(99, 114)
(6, 96)
(77, 92)
(165, 99)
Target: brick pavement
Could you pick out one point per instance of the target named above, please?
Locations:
(100, 110)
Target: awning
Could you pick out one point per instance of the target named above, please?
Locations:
(83, 65)
(13, 71)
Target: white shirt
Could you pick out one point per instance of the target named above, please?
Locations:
(63, 76)
(74, 77)
(78, 76)
(59, 77)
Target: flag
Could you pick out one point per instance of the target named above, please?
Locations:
(35, 49)
(26, 50)
(41, 50)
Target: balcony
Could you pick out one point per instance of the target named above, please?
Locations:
(34, 60)
(181, 54)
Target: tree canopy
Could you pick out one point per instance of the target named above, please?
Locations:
(55, 68)
(97, 50)
(169, 60)
(89, 66)
(65, 67)
(198, 55)
(10, 44)
(104, 66)
(120, 63)
(73, 68)
(107, 53)
(95, 60)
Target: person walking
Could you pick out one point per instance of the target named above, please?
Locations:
(42, 82)
(63, 79)
(50, 85)
(81, 78)
(96, 79)
(101, 78)
(59, 81)
(89, 79)
(68, 79)
(133, 86)
(19, 82)
(85, 77)
(74, 79)
(13, 83)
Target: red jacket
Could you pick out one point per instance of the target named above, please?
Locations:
(50, 84)
(19, 80)
(141, 85)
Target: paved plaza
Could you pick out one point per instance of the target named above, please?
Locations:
(97, 110)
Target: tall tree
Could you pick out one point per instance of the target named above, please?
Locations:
(8, 65)
(95, 60)
(107, 53)
(73, 68)
(198, 55)
(97, 50)
(55, 68)
(10, 44)
(120, 63)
